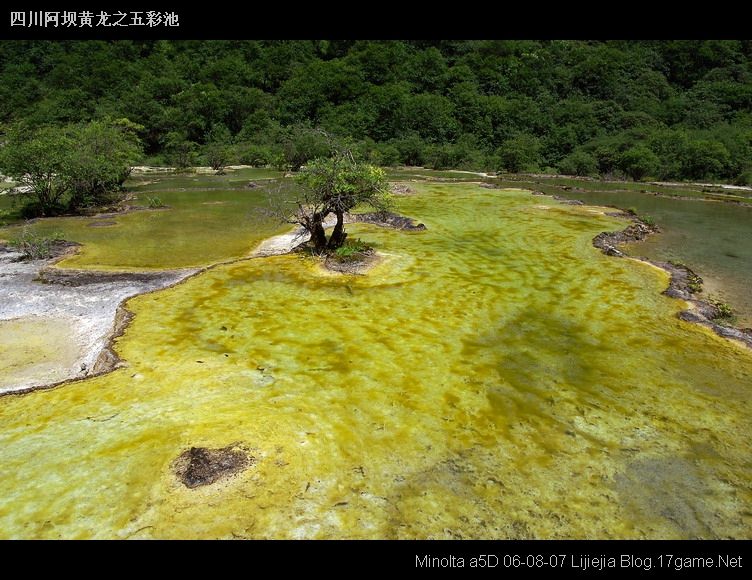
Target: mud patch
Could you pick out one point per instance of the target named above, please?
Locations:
(70, 277)
(102, 224)
(199, 466)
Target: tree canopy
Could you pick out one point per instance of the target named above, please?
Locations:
(66, 168)
(336, 185)
(553, 105)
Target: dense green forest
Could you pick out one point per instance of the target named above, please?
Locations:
(636, 109)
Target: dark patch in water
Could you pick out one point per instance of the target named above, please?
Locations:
(201, 466)
(673, 489)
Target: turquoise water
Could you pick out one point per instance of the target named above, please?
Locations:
(713, 238)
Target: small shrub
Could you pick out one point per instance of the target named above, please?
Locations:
(352, 250)
(725, 312)
(154, 202)
(694, 284)
(647, 220)
(34, 246)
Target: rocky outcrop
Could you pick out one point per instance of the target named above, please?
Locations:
(636, 232)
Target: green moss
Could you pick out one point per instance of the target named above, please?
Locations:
(353, 249)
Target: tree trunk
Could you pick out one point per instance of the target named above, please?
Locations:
(318, 236)
(339, 234)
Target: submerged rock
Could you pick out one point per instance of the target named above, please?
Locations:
(387, 219)
(357, 264)
(201, 466)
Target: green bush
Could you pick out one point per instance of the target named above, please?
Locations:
(256, 156)
(154, 202)
(725, 312)
(34, 246)
(579, 163)
(744, 178)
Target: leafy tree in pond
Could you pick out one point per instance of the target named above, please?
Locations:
(38, 161)
(101, 161)
(336, 185)
(638, 162)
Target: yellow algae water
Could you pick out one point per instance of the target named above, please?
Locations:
(34, 348)
(494, 377)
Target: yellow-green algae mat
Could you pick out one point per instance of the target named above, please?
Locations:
(495, 376)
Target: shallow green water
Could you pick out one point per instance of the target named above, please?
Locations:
(713, 238)
(494, 376)
(238, 178)
(199, 227)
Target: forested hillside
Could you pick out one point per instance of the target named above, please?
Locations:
(665, 109)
